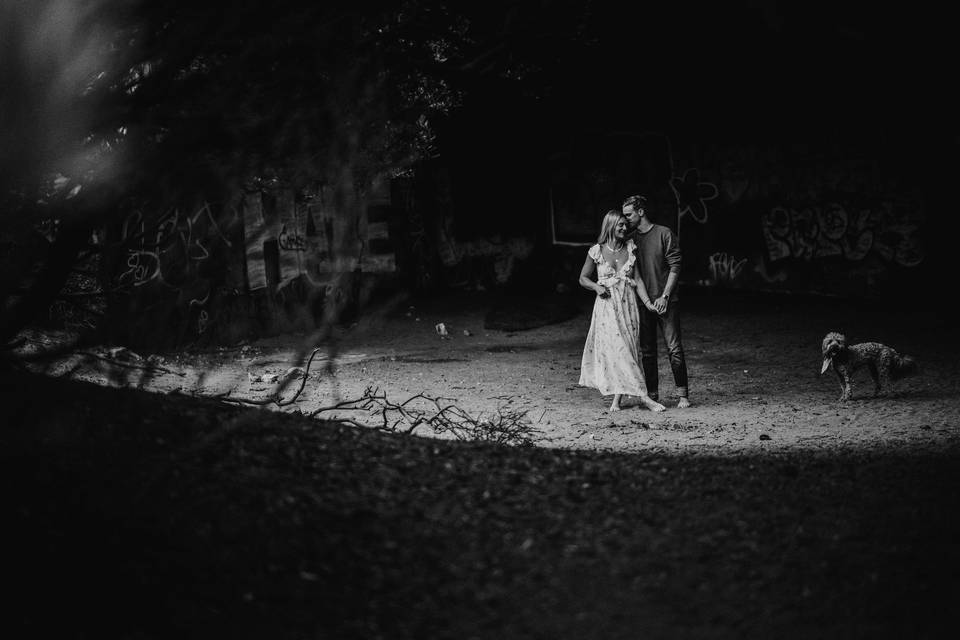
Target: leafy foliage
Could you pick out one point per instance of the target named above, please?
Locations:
(120, 107)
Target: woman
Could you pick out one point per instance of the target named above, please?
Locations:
(611, 359)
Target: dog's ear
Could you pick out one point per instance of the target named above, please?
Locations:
(827, 361)
(828, 342)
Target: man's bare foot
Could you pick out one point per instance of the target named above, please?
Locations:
(652, 404)
(683, 403)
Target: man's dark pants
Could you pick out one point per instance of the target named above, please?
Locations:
(669, 324)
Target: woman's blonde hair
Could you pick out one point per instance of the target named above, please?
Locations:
(609, 225)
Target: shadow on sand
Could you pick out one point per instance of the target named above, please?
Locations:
(142, 516)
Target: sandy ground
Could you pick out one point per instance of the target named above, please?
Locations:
(754, 365)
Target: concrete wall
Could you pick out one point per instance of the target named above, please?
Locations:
(264, 263)
(829, 218)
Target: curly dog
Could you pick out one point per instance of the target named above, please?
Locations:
(883, 362)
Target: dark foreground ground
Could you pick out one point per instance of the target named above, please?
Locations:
(135, 515)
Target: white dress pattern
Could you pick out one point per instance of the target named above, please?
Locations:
(611, 354)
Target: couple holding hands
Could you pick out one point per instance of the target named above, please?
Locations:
(634, 269)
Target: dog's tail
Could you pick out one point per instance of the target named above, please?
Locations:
(903, 366)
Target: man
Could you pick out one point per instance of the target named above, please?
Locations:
(658, 254)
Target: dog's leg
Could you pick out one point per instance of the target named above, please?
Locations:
(875, 374)
(844, 383)
(884, 379)
(884, 367)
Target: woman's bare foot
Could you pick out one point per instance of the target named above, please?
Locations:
(616, 403)
(651, 404)
(683, 403)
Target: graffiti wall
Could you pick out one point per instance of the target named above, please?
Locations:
(436, 253)
(223, 271)
(175, 269)
(288, 238)
(818, 218)
(827, 218)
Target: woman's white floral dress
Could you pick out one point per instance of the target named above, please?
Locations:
(611, 358)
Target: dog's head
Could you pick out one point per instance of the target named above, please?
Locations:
(833, 343)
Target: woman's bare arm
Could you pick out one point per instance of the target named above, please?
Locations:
(641, 288)
(587, 273)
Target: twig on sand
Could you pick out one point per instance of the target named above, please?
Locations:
(274, 398)
(506, 426)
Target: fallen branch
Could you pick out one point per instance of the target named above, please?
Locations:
(507, 426)
(274, 398)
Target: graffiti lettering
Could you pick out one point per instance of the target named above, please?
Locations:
(142, 267)
(291, 240)
(170, 251)
(724, 268)
(831, 230)
(770, 278)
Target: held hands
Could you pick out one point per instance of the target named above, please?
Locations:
(602, 291)
(659, 305)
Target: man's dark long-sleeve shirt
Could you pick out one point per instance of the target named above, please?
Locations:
(658, 253)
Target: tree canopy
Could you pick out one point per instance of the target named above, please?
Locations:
(115, 105)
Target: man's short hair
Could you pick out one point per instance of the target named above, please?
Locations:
(637, 202)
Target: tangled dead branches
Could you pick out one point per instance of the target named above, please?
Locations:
(507, 426)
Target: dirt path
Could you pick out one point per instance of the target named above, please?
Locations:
(754, 370)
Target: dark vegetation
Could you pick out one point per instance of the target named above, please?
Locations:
(125, 119)
(142, 516)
